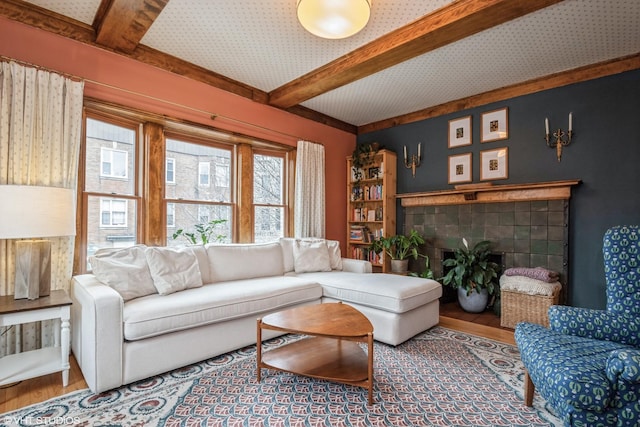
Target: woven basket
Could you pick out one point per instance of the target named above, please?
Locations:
(518, 307)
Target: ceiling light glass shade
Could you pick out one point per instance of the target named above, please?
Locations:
(334, 19)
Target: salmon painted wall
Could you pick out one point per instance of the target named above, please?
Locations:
(120, 80)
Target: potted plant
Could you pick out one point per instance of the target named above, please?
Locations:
(399, 248)
(203, 232)
(362, 156)
(473, 275)
(427, 273)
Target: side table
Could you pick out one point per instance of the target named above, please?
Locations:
(43, 361)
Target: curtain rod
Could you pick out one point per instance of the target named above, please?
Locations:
(39, 67)
(213, 116)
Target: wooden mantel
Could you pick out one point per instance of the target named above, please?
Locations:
(488, 193)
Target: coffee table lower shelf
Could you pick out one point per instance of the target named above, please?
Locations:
(332, 359)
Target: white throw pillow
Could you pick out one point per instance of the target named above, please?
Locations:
(335, 254)
(125, 270)
(173, 270)
(311, 255)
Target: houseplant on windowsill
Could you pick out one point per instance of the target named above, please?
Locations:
(473, 275)
(399, 248)
(203, 233)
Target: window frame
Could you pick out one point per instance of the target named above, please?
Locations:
(148, 174)
(211, 143)
(286, 190)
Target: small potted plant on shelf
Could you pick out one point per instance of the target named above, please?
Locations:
(399, 248)
(473, 275)
(362, 156)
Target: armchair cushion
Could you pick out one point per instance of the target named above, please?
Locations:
(596, 324)
(566, 369)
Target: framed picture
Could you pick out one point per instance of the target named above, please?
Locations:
(494, 126)
(460, 132)
(460, 168)
(374, 173)
(494, 164)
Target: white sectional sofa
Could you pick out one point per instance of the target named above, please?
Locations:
(148, 310)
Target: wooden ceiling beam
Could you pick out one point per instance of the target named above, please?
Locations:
(449, 24)
(44, 19)
(125, 22)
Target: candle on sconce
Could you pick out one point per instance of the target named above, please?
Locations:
(419, 147)
(405, 153)
(570, 122)
(546, 125)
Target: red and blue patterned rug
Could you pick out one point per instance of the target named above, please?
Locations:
(439, 378)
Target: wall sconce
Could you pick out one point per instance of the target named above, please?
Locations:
(415, 160)
(558, 135)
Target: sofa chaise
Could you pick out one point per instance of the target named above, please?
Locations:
(147, 310)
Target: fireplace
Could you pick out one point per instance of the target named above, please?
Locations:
(448, 294)
(525, 229)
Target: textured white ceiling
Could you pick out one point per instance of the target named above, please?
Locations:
(83, 11)
(262, 44)
(536, 45)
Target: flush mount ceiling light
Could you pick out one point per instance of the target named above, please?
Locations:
(334, 19)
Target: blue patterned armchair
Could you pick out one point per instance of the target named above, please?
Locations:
(587, 365)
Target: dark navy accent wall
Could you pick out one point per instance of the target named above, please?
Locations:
(604, 154)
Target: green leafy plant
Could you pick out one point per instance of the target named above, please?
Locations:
(471, 268)
(399, 246)
(203, 233)
(363, 155)
(427, 273)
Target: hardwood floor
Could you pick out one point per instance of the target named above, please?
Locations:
(39, 389)
(36, 390)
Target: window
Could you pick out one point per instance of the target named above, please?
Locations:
(171, 214)
(113, 213)
(113, 163)
(222, 170)
(170, 171)
(200, 178)
(204, 169)
(269, 196)
(110, 197)
(203, 214)
(196, 198)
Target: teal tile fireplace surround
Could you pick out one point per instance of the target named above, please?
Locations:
(525, 233)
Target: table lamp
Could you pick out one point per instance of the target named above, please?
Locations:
(33, 212)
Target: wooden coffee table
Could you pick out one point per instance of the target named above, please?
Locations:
(331, 350)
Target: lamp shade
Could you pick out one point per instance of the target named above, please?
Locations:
(334, 19)
(28, 211)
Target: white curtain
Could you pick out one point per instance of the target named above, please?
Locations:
(309, 201)
(40, 135)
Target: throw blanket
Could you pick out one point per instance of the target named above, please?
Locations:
(529, 286)
(538, 273)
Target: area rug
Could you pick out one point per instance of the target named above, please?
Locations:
(439, 378)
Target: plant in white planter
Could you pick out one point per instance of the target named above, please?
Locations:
(399, 248)
(473, 275)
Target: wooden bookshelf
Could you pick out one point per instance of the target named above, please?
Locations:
(371, 206)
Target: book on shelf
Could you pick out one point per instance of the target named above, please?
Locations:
(356, 233)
